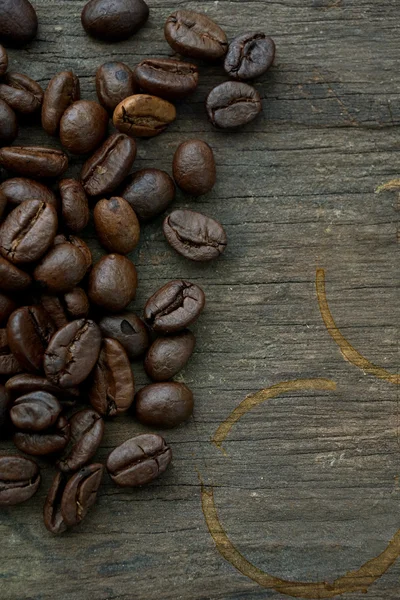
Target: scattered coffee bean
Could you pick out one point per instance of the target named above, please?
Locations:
(194, 167)
(233, 104)
(4, 406)
(83, 127)
(175, 306)
(74, 205)
(12, 279)
(22, 93)
(114, 20)
(19, 479)
(61, 269)
(34, 161)
(194, 34)
(19, 189)
(62, 91)
(114, 82)
(77, 243)
(18, 23)
(35, 411)
(117, 226)
(80, 494)
(167, 78)
(113, 282)
(168, 355)
(249, 56)
(52, 516)
(87, 430)
(149, 192)
(66, 307)
(8, 363)
(7, 306)
(3, 61)
(50, 441)
(8, 124)
(166, 404)
(23, 384)
(129, 330)
(143, 115)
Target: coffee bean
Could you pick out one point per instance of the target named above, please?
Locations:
(249, 56)
(62, 91)
(12, 279)
(52, 516)
(167, 78)
(80, 494)
(129, 330)
(3, 61)
(35, 411)
(72, 353)
(114, 20)
(168, 355)
(29, 330)
(61, 269)
(194, 34)
(28, 231)
(8, 124)
(83, 127)
(4, 406)
(49, 441)
(18, 23)
(22, 93)
(74, 204)
(19, 479)
(113, 282)
(7, 306)
(233, 104)
(194, 236)
(194, 167)
(117, 226)
(174, 306)
(113, 386)
(87, 430)
(8, 363)
(139, 460)
(166, 404)
(3, 198)
(19, 189)
(149, 192)
(33, 161)
(109, 166)
(77, 243)
(143, 115)
(23, 384)
(114, 82)
(66, 307)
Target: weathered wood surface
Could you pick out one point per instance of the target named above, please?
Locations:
(310, 487)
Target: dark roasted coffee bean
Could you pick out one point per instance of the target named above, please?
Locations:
(20, 189)
(52, 516)
(139, 460)
(174, 306)
(77, 243)
(21, 92)
(4, 406)
(72, 353)
(194, 235)
(168, 355)
(83, 127)
(129, 330)
(117, 226)
(109, 166)
(3, 60)
(19, 479)
(62, 91)
(143, 115)
(8, 124)
(233, 104)
(35, 412)
(49, 441)
(149, 192)
(29, 330)
(34, 161)
(194, 167)
(7, 306)
(74, 205)
(114, 20)
(87, 430)
(28, 231)
(114, 82)
(18, 23)
(113, 386)
(113, 282)
(194, 34)
(166, 404)
(19, 385)
(80, 494)
(66, 307)
(167, 78)
(249, 56)
(8, 363)
(61, 269)
(12, 279)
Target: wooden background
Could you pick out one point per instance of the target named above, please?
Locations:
(310, 487)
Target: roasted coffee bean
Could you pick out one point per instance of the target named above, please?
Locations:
(117, 226)
(13, 279)
(167, 78)
(3, 61)
(113, 282)
(114, 20)
(80, 494)
(22, 93)
(194, 235)
(50, 441)
(78, 243)
(29, 330)
(175, 306)
(166, 404)
(19, 385)
(143, 115)
(83, 127)
(139, 460)
(87, 430)
(66, 307)
(129, 330)
(7, 306)
(52, 516)
(20, 189)
(114, 82)
(3, 200)
(168, 355)
(194, 167)
(72, 353)
(28, 231)
(18, 23)
(8, 363)
(62, 91)
(74, 205)
(8, 124)
(194, 34)
(35, 412)
(4, 406)
(113, 386)
(233, 104)
(109, 166)
(61, 269)
(19, 479)
(249, 56)
(33, 161)
(149, 192)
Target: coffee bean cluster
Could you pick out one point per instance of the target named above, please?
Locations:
(66, 335)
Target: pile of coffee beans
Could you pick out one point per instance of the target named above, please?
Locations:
(66, 335)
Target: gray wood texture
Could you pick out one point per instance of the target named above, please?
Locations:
(309, 489)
